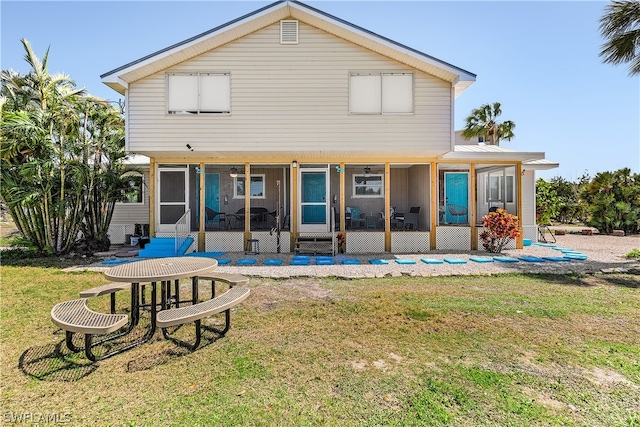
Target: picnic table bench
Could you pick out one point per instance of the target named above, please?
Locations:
(196, 312)
(229, 278)
(108, 289)
(76, 317)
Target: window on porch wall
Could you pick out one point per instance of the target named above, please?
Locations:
(364, 198)
(496, 188)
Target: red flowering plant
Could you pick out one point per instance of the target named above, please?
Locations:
(500, 228)
(342, 241)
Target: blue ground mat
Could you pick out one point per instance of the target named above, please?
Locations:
(455, 261)
(115, 261)
(324, 260)
(480, 259)
(378, 261)
(246, 261)
(531, 259)
(576, 257)
(272, 262)
(571, 251)
(405, 261)
(431, 261)
(206, 254)
(556, 258)
(300, 261)
(223, 261)
(548, 245)
(351, 261)
(555, 248)
(505, 259)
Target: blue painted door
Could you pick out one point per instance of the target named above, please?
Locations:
(211, 193)
(313, 200)
(456, 191)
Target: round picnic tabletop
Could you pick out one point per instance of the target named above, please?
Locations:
(160, 269)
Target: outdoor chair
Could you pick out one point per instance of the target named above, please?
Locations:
(411, 219)
(214, 219)
(457, 211)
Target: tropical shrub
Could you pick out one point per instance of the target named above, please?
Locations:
(614, 201)
(500, 228)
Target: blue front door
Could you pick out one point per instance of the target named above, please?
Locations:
(456, 191)
(211, 193)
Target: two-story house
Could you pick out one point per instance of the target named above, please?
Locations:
(289, 122)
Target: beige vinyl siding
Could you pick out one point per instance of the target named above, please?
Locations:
(133, 213)
(289, 97)
(528, 198)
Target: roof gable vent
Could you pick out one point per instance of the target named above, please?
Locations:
(288, 32)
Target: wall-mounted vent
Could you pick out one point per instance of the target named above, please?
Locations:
(288, 32)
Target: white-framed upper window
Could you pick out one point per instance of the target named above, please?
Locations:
(256, 186)
(371, 185)
(198, 93)
(497, 191)
(381, 93)
(134, 191)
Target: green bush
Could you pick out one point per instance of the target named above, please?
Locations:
(635, 253)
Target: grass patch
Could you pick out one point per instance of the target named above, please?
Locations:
(464, 350)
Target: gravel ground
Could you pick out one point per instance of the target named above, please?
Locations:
(603, 252)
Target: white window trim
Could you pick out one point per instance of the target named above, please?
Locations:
(382, 101)
(242, 196)
(361, 196)
(502, 193)
(197, 111)
(142, 192)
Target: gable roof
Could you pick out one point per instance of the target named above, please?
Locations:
(119, 78)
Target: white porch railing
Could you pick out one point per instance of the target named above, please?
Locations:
(182, 230)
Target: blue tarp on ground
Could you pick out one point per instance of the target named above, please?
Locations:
(480, 259)
(431, 261)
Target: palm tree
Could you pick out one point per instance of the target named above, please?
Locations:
(621, 26)
(61, 157)
(483, 122)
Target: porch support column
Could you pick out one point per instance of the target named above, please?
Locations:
(201, 214)
(152, 197)
(387, 207)
(343, 221)
(435, 210)
(520, 239)
(293, 223)
(247, 204)
(474, 196)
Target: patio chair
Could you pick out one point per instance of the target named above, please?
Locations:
(214, 219)
(411, 218)
(357, 219)
(457, 211)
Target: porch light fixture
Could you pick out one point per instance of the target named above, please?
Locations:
(294, 164)
(233, 173)
(367, 171)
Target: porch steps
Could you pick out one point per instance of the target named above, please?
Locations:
(314, 245)
(163, 247)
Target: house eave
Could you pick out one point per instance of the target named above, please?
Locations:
(118, 78)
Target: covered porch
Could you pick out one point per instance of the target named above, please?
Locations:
(373, 208)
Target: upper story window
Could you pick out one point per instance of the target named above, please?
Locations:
(198, 93)
(134, 190)
(381, 93)
(369, 185)
(256, 187)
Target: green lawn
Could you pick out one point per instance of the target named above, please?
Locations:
(464, 350)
